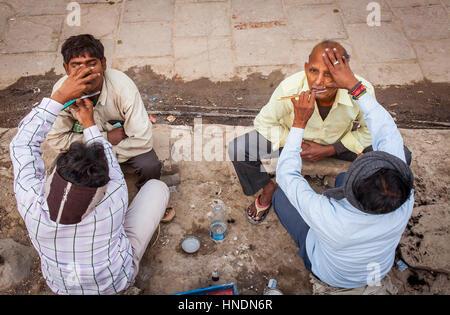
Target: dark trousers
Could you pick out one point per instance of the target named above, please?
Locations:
(245, 153)
(146, 166)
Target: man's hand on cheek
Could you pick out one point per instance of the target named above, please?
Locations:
(75, 85)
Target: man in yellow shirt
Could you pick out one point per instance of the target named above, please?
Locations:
(336, 129)
(119, 102)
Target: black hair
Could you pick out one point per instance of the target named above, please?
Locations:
(84, 165)
(330, 44)
(79, 45)
(381, 192)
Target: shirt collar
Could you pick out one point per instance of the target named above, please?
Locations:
(342, 96)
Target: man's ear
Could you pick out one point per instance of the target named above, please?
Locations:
(306, 67)
(104, 63)
(66, 67)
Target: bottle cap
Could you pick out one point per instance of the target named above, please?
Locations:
(217, 207)
(272, 283)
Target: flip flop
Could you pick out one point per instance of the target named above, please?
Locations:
(259, 208)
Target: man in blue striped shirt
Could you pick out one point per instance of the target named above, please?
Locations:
(347, 237)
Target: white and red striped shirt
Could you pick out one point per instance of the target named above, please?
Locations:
(91, 257)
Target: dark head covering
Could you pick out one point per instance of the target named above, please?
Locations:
(69, 203)
(365, 166)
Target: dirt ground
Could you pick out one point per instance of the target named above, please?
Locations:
(422, 105)
(250, 255)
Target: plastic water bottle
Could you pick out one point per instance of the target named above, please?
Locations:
(271, 288)
(218, 226)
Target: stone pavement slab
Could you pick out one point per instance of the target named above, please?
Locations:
(434, 59)
(6, 12)
(191, 56)
(317, 23)
(257, 10)
(422, 23)
(409, 3)
(33, 34)
(148, 11)
(101, 20)
(202, 19)
(132, 43)
(47, 7)
(263, 46)
(307, 2)
(234, 37)
(393, 73)
(220, 57)
(385, 43)
(36, 64)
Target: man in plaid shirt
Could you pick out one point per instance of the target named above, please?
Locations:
(78, 219)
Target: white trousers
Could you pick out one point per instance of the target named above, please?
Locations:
(143, 217)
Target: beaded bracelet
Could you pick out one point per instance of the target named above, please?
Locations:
(358, 90)
(361, 93)
(353, 88)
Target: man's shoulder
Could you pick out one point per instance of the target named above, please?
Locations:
(120, 84)
(118, 78)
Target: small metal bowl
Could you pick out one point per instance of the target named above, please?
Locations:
(190, 244)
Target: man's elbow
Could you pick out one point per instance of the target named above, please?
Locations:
(281, 176)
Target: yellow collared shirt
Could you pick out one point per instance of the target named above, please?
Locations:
(275, 119)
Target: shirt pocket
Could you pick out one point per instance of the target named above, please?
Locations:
(341, 122)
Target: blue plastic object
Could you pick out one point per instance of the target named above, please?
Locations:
(215, 290)
(73, 101)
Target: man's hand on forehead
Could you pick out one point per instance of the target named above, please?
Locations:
(339, 68)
